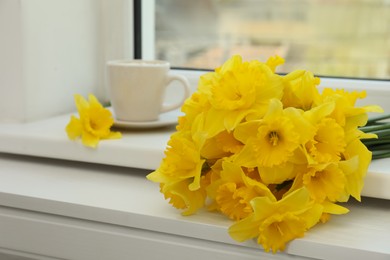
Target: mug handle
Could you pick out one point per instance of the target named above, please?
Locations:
(187, 92)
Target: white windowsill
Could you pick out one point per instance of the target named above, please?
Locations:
(67, 195)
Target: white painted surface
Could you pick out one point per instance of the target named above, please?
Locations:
(47, 138)
(75, 210)
(148, 29)
(11, 90)
(51, 50)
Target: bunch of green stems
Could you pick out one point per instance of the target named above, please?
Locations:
(380, 126)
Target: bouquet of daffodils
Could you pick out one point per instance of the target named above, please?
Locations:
(270, 152)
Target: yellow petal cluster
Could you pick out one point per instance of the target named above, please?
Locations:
(94, 124)
(270, 152)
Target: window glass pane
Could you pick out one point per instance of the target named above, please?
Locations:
(347, 38)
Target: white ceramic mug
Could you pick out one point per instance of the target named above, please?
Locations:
(137, 89)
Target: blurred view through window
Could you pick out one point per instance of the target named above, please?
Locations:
(347, 38)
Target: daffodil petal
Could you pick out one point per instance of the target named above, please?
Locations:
(74, 128)
(114, 135)
(81, 104)
(244, 229)
(333, 208)
(89, 140)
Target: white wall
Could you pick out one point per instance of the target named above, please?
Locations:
(52, 49)
(10, 60)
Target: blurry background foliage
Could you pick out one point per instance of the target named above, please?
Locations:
(343, 38)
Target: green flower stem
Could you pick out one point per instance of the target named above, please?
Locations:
(370, 128)
(381, 133)
(370, 142)
(380, 154)
(378, 118)
(379, 147)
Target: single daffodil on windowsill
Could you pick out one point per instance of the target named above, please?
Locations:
(94, 124)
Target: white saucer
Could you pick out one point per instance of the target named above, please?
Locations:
(165, 119)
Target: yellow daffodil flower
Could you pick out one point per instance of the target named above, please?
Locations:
(268, 142)
(325, 181)
(274, 62)
(180, 174)
(94, 124)
(356, 176)
(236, 90)
(275, 223)
(270, 152)
(328, 143)
(278, 173)
(345, 104)
(233, 191)
(182, 161)
(193, 107)
(301, 90)
(182, 198)
(222, 145)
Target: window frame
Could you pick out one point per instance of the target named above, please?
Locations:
(144, 36)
